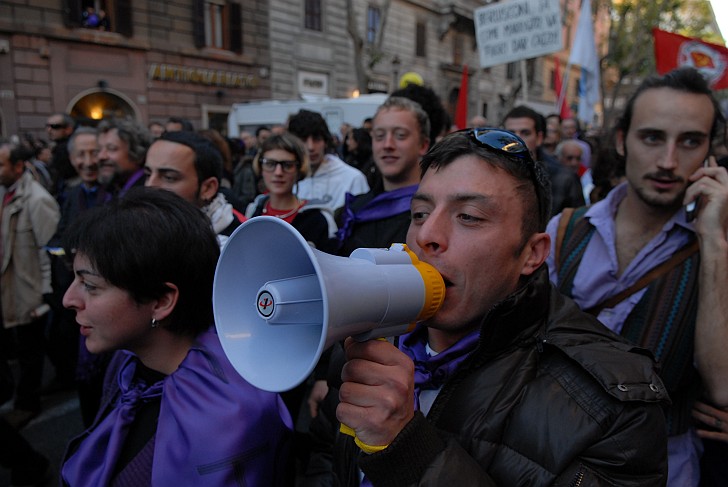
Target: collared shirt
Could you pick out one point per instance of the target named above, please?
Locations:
(601, 280)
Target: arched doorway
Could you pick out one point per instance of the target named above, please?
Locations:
(91, 107)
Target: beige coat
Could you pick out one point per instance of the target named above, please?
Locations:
(28, 222)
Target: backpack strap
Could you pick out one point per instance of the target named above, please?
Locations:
(566, 214)
(656, 272)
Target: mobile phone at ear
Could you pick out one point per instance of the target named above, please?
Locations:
(691, 209)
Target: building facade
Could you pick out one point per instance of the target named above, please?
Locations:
(148, 60)
(313, 53)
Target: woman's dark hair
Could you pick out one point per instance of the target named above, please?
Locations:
(363, 144)
(146, 239)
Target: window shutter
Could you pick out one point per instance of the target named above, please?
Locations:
(236, 28)
(123, 22)
(198, 23)
(72, 9)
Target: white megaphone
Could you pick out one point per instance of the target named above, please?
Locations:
(279, 303)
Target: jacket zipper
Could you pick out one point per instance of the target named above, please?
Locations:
(578, 479)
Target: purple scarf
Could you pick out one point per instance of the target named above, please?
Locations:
(214, 428)
(138, 174)
(91, 465)
(433, 372)
(384, 205)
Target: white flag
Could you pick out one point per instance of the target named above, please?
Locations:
(584, 53)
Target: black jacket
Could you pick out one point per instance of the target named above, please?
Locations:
(566, 190)
(549, 397)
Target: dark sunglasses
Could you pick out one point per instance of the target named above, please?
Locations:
(269, 165)
(508, 144)
(55, 126)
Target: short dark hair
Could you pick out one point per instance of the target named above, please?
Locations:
(306, 123)
(68, 120)
(260, 129)
(522, 111)
(535, 189)
(685, 79)
(158, 238)
(186, 124)
(20, 154)
(208, 160)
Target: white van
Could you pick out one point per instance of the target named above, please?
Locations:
(250, 116)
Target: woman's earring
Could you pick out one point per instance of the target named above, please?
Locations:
(154, 323)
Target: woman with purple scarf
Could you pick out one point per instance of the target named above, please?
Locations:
(174, 411)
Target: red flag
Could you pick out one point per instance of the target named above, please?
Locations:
(674, 50)
(564, 110)
(461, 111)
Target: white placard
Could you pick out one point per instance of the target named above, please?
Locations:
(517, 29)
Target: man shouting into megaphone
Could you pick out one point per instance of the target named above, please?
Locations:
(509, 383)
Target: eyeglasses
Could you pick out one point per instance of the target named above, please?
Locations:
(269, 165)
(55, 126)
(508, 144)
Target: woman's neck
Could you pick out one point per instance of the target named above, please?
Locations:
(283, 202)
(165, 352)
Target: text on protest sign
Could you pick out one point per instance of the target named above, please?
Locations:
(517, 29)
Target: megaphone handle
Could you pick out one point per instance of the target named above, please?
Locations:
(364, 447)
(350, 431)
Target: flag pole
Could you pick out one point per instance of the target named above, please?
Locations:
(524, 79)
(564, 87)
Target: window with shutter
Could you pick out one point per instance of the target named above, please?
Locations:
(312, 15)
(374, 17)
(420, 39)
(218, 24)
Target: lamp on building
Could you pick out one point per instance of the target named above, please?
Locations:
(97, 113)
(396, 63)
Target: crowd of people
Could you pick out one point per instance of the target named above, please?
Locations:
(580, 341)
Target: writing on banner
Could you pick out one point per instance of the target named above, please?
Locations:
(517, 29)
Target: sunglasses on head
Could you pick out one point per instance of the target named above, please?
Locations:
(55, 126)
(505, 143)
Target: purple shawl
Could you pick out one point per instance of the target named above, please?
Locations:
(214, 428)
(384, 205)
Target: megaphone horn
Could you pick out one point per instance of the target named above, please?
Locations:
(279, 303)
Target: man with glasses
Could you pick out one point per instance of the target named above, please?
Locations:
(59, 128)
(188, 164)
(637, 262)
(509, 383)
